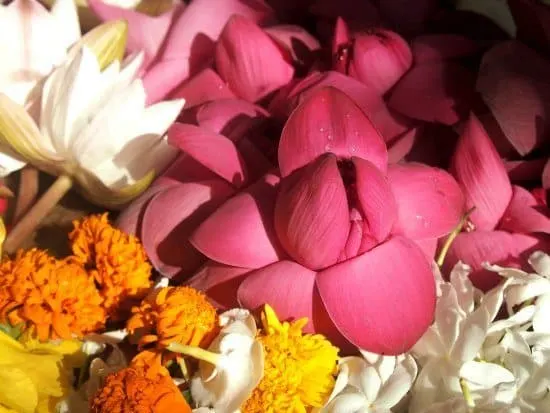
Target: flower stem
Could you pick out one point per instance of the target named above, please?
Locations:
(195, 352)
(27, 192)
(452, 236)
(28, 224)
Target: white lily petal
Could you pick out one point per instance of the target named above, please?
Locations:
(518, 294)
(370, 383)
(348, 403)
(521, 317)
(539, 382)
(398, 384)
(157, 118)
(541, 320)
(507, 272)
(483, 375)
(514, 342)
(66, 18)
(521, 365)
(463, 287)
(540, 263)
(429, 345)
(471, 337)
(428, 387)
(447, 316)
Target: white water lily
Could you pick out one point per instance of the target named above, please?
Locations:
(530, 287)
(371, 384)
(448, 352)
(94, 127)
(231, 368)
(33, 41)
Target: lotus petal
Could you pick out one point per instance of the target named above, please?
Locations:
(250, 61)
(376, 199)
(380, 58)
(383, 300)
(172, 216)
(495, 247)
(511, 72)
(481, 174)
(340, 41)
(214, 151)
(440, 47)
(230, 117)
(300, 45)
(428, 246)
(240, 233)
(399, 147)
(311, 233)
(368, 100)
(219, 282)
(329, 121)
(429, 200)
(190, 43)
(524, 214)
(205, 86)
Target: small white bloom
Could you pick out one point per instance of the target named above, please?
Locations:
(372, 383)
(231, 368)
(527, 287)
(448, 350)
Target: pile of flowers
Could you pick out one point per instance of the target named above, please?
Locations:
(316, 206)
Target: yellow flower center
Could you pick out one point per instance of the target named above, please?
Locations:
(116, 260)
(174, 314)
(53, 298)
(299, 368)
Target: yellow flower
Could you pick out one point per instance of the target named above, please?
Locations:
(174, 315)
(132, 390)
(116, 260)
(50, 297)
(299, 368)
(35, 376)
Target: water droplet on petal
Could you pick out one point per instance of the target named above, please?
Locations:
(328, 147)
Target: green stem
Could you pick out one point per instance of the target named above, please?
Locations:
(452, 236)
(195, 352)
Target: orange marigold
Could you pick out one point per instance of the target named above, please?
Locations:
(132, 390)
(174, 314)
(116, 260)
(54, 298)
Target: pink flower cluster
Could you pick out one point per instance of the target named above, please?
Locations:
(321, 173)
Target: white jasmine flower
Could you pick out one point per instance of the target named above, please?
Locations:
(231, 368)
(372, 383)
(449, 350)
(94, 127)
(530, 287)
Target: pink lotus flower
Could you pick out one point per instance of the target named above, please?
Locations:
(508, 222)
(378, 58)
(322, 240)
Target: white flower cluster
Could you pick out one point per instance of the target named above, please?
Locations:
(483, 353)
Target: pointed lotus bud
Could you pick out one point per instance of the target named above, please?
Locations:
(378, 58)
(107, 41)
(250, 61)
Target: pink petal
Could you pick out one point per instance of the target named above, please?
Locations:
(511, 72)
(240, 233)
(381, 301)
(429, 201)
(257, 163)
(440, 47)
(495, 247)
(300, 45)
(201, 88)
(214, 151)
(311, 233)
(481, 174)
(249, 60)
(329, 121)
(546, 175)
(368, 100)
(189, 45)
(428, 246)
(532, 20)
(230, 117)
(375, 198)
(285, 285)
(380, 59)
(340, 43)
(145, 33)
(399, 147)
(219, 282)
(524, 214)
(434, 92)
(171, 217)
(186, 169)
